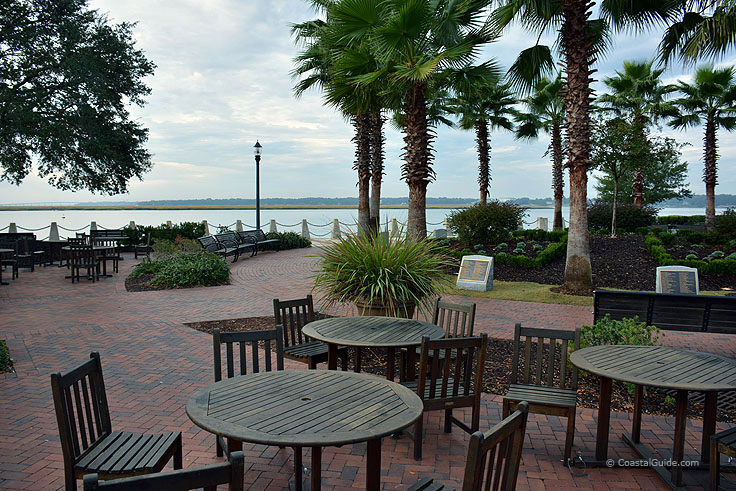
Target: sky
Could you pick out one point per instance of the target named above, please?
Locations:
(223, 81)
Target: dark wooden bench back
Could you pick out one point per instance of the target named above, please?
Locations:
(293, 315)
(455, 318)
(667, 311)
(228, 239)
(494, 456)
(209, 243)
(81, 407)
(12, 237)
(453, 373)
(107, 233)
(244, 338)
(539, 368)
(207, 477)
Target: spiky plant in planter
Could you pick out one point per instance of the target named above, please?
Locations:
(380, 274)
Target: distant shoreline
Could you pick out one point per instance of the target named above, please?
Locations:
(220, 207)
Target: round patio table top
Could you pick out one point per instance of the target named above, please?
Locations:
(304, 407)
(658, 366)
(374, 332)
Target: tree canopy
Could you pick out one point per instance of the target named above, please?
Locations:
(66, 76)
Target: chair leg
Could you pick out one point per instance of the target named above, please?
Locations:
(715, 465)
(218, 448)
(506, 410)
(418, 431)
(178, 454)
(312, 364)
(570, 434)
(70, 480)
(448, 420)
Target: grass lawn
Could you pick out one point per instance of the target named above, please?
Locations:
(535, 292)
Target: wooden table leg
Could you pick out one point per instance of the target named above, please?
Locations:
(636, 422)
(298, 475)
(709, 425)
(373, 465)
(411, 363)
(316, 469)
(390, 363)
(604, 420)
(356, 367)
(234, 445)
(678, 452)
(331, 356)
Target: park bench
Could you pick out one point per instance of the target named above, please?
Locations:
(230, 240)
(259, 240)
(113, 232)
(210, 244)
(669, 311)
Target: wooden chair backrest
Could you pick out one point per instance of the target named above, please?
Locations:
(494, 456)
(231, 473)
(455, 318)
(81, 407)
(244, 338)
(463, 357)
(544, 360)
(293, 315)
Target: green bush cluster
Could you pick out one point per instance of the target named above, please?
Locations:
(486, 224)
(681, 220)
(725, 225)
(290, 240)
(185, 270)
(552, 252)
(165, 248)
(4, 357)
(539, 234)
(628, 217)
(625, 331)
(714, 267)
(187, 230)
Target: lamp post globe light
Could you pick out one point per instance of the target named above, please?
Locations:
(257, 149)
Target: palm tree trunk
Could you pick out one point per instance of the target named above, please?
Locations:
(416, 170)
(363, 166)
(638, 185)
(484, 177)
(578, 49)
(557, 179)
(377, 140)
(710, 176)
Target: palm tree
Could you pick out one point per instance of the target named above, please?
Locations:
(546, 111)
(704, 30)
(485, 106)
(413, 42)
(711, 100)
(638, 95)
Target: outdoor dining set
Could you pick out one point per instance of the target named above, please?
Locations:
(440, 368)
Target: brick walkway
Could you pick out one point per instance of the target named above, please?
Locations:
(152, 363)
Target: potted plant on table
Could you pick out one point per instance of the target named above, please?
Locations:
(381, 275)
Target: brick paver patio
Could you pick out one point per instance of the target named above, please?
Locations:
(152, 363)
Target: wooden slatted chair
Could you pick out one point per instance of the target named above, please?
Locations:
(720, 443)
(243, 339)
(457, 319)
(111, 254)
(82, 256)
(493, 457)
(449, 385)
(293, 315)
(89, 444)
(207, 477)
(548, 388)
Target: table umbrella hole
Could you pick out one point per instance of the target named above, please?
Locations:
(306, 398)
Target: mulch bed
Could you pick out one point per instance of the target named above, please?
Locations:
(141, 284)
(497, 372)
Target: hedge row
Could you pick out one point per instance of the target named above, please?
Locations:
(715, 267)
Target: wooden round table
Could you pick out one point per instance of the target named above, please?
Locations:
(657, 366)
(307, 408)
(373, 332)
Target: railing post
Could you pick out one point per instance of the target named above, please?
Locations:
(447, 224)
(238, 225)
(542, 223)
(305, 228)
(131, 225)
(92, 225)
(394, 228)
(272, 226)
(168, 223)
(336, 234)
(12, 229)
(206, 227)
(54, 232)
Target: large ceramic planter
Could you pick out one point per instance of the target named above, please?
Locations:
(380, 310)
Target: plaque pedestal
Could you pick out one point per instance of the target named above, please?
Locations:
(677, 279)
(476, 273)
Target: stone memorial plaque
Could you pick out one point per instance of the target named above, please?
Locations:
(677, 279)
(476, 273)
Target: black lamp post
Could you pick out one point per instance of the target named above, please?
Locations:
(257, 150)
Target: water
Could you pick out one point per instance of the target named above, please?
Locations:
(320, 220)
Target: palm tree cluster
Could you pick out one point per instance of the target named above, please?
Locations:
(417, 62)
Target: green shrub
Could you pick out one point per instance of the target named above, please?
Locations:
(518, 250)
(146, 267)
(520, 245)
(187, 230)
(628, 216)
(681, 220)
(538, 247)
(290, 240)
(523, 261)
(490, 223)
(717, 254)
(502, 245)
(501, 258)
(691, 236)
(691, 257)
(625, 331)
(725, 225)
(552, 252)
(667, 238)
(731, 257)
(189, 270)
(641, 230)
(538, 234)
(4, 357)
(715, 266)
(165, 248)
